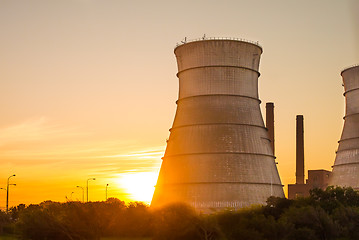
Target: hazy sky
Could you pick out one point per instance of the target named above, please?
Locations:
(88, 87)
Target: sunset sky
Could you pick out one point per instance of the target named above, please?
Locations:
(88, 87)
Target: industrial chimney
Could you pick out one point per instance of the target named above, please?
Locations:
(270, 123)
(299, 174)
(346, 166)
(218, 153)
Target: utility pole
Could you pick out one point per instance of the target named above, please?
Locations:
(106, 191)
(7, 192)
(87, 189)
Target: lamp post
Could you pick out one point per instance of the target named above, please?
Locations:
(87, 188)
(83, 192)
(7, 192)
(106, 191)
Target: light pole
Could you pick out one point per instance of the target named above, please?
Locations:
(7, 192)
(87, 188)
(83, 192)
(106, 191)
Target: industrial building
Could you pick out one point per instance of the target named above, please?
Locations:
(316, 178)
(219, 154)
(346, 165)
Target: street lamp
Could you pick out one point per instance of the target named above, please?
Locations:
(83, 192)
(7, 192)
(106, 191)
(87, 188)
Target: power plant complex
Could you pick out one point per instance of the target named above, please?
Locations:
(219, 154)
(346, 166)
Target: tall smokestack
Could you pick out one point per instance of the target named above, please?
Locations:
(270, 123)
(300, 151)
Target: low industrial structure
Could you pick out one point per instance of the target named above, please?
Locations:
(316, 178)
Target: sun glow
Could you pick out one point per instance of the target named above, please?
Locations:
(140, 186)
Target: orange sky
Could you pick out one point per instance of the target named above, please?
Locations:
(88, 87)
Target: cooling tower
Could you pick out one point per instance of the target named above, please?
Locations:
(346, 165)
(218, 153)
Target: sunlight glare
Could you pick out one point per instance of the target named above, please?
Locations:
(140, 185)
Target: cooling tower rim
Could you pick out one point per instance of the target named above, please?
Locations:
(344, 164)
(350, 90)
(200, 183)
(218, 95)
(347, 139)
(348, 68)
(218, 66)
(347, 149)
(187, 41)
(218, 124)
(219, 153)
(349, 115)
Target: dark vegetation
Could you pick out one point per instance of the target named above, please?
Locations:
(329, 214)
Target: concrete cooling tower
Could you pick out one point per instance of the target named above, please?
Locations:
(218, 153)
(346, 165)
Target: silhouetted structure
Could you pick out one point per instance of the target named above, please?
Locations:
(346, 165)
(299, 172)
(316, 179)
(219, 153)
(270, 123)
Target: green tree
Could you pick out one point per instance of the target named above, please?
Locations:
(347, 219)
(310, 220)
(180, 221)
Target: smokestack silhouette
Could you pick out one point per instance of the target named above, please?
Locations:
(346, 165)
(218, 154)
(300, 151)
(270, 123)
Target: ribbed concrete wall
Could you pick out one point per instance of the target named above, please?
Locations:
(346, 166)
(218, 154)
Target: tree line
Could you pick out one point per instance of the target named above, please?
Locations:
(324, 215)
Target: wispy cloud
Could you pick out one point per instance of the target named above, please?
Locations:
(66, 153)
(150, 154)
(148, 160)
(32, 129)
(35, 129)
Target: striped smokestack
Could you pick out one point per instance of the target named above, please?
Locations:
(300, 151)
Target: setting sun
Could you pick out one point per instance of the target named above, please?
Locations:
(140, 186)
